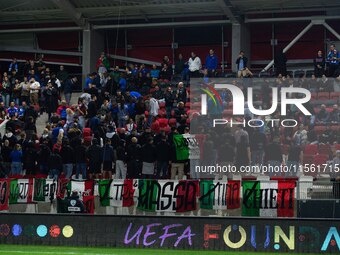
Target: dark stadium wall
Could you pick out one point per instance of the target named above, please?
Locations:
(189, 233)
(154, 43)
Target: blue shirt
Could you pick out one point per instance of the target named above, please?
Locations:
(241, 64)
(12, 111)
(331, 55)
(211, 62)
(87, 82)
(154, 73)
(122, 84)
(21, 111)
(16, 156)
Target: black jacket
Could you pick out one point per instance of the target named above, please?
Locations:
(80, 154)
(55, 162)
(245, 62)
(134, 152)
(95, 154)
(67, 154)
(148, 153)
(163, 151)
(44, 154)
(92, 109)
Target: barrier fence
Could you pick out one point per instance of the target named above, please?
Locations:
(271, 198)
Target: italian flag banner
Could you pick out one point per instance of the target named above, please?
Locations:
(186, 196)
(118, 193)
(147, 195)
(4, 194)
(62, 186)
(167, 195)
(84, 188)
(182, 148)
(21, 191)
(44, 190)
(219, 195)
(166, 200)
(273, 198)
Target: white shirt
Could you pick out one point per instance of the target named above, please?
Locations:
(154, 107)
(194, 64)
(34, 87)
(56, 82)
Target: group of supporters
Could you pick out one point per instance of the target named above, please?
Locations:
(123, 124)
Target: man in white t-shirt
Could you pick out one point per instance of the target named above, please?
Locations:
(195, 65)
(34, 91)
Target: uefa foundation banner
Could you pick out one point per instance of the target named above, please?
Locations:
(190, 233)
(239, 125)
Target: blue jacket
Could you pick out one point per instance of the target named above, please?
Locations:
(11, 67)
(211, 62)
(68, 87)
(87, 82)
(16, 156)
(331, 55)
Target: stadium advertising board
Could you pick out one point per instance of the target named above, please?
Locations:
(201, 233)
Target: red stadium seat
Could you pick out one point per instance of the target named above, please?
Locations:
(319, 129)
(172, 122)
(166, 129)
(311, 149)
(337, 147)
(86, 132)
(308, 159)
(161, 113)
(187, 105)
(324, 149)
(323, 95)
(320, 159)
(155, 127)
(163, 122)
(314, 96)
(329, 109)
(162, 105)
(334, 96)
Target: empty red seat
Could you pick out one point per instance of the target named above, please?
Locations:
(314, 96)
(86, 132)
(162, 104)
(323, 95)
(320, 159)
(172, 122)
(155, 127)
(161, 112)
(163, 122)
(311, 149)
(308, 159)
(325, 149)
(337, 147)
(334, 96)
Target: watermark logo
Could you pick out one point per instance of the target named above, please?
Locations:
(239, 99)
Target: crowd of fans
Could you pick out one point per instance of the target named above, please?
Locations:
(123, 123)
